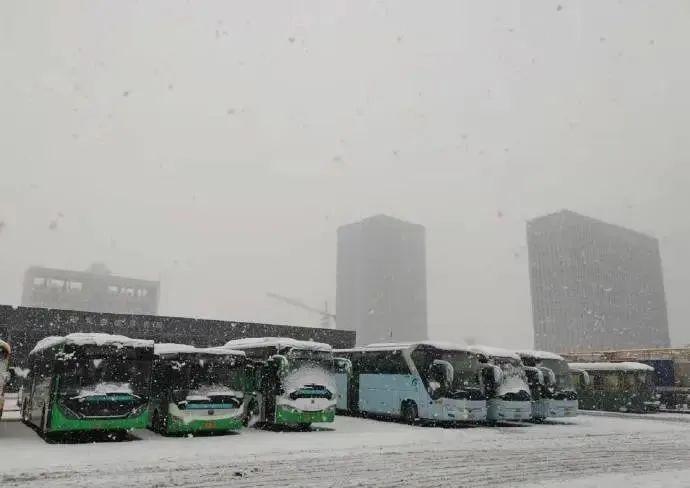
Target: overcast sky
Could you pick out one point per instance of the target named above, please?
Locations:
(219, 145)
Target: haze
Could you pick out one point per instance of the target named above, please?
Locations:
(217, 146)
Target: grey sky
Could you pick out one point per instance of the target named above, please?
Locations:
(218, 145)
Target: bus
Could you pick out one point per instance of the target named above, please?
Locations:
(558, 397)
(413, 381)
(87, 382)
(616, 387)
(5, 353)
(294, 385)
(508, 394)
(196, 389)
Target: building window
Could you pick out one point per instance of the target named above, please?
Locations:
(53, 283)
(113, 289)
(39, 282)
(75, 286)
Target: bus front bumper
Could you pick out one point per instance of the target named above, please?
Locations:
(60, 422)
(562, 408)
(178, 426)
(508, 410)
(287, 415)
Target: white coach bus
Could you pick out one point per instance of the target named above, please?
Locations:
(422, 380)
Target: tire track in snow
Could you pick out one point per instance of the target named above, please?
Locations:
(392, 466)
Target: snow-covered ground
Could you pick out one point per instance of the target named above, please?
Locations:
(584, 452)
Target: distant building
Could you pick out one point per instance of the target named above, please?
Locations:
(381, 280)
(94, 290)
(594, 285)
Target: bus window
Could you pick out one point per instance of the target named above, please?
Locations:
(611, 380)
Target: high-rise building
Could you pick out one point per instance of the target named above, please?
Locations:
(381, 280)
(94, 290)
(594, 285)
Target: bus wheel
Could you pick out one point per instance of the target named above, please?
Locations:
(25, 416)
(156, 422)
(44, 427)
(408, 411)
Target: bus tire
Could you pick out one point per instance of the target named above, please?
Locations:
(156, 424)
(44, 421)
(25, 414)
(409, 412)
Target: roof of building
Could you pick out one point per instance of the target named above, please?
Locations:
(68, 274)
(82, 338)
(564, 213)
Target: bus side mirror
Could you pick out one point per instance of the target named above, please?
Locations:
(281, 364)
(549, 376)
(498, 374)
(443, 372)
(583, 375)
(534, 375)
(343, 365)
(493, 376)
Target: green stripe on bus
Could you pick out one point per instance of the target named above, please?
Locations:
(59, 422)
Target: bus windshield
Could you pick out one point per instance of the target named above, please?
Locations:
(466, 366)
(560, 368)
(212, 377)
(103, 374)
(298, 358)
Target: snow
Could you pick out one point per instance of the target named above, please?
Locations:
(494, 352)
(624, 366)
(668, 479)
(541, 355)
(100, 389)
(82, 338)
(167, 348)
(582, 452)
(511, 384)
(448, 346)
(278, 342)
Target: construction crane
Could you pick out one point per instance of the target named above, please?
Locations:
(327, 318)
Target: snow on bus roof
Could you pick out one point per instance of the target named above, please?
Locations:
(449, 346)
(83, 338)
(541, 354)
(494, 351)
(4, 345)
(251, 342)
(169, 348)
(623, 366)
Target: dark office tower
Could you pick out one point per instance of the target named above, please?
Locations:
(594, 285)
(381, 280)
(94, 290)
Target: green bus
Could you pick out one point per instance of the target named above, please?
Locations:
(196, 390)
(615, 387)
(295, 383)
(87, 382)
(5, 352)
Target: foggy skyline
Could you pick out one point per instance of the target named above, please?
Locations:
(218, 146)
